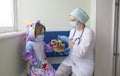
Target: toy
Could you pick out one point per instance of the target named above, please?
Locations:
(57, 45)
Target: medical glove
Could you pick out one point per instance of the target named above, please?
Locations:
(67, 51)
(64, 38)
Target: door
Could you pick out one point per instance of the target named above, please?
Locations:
(118, 49)
(118, 46)
(116, 66)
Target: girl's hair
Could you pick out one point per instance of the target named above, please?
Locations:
(39, 27)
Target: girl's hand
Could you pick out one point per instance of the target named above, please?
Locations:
(71, 44)
(48, 67)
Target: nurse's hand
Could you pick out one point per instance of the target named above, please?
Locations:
(64, 38)
(67, 51)
(71, 44)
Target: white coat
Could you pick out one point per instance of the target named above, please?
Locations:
(81, 57)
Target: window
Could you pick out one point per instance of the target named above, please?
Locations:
(7, 15)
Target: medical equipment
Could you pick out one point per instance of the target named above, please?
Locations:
(78, 37)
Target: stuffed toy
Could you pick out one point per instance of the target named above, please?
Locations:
(57, 45)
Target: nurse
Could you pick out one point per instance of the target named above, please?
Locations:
(80, 61)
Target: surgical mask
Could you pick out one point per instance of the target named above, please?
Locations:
(39, 38)
(73, 24)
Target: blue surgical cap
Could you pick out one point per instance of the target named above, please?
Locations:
(80, 15)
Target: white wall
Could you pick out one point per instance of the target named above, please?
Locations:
(93, 15)
(104, 37)
(54, 14)
(11, 47)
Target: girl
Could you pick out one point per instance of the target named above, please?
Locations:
(34, 52)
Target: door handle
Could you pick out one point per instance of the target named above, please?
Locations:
(116, 54)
